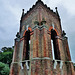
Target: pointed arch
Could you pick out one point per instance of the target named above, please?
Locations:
(50, 28)
(55, 43)
(29, 28)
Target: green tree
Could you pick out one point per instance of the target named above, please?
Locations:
(4, 69)
(7, 49)
(6, 55)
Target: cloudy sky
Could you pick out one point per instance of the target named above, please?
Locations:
(10, 13)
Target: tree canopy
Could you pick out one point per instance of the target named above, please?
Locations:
(4, 69)
(6, 54)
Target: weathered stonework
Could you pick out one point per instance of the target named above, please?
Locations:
(40, 25)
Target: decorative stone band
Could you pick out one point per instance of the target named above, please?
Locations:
(55, 62)
(61, 38)
(39, 27)
(42, 59)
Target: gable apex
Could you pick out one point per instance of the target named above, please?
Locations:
(42, 3)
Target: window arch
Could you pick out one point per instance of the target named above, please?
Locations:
(55, 44)
(26, 50)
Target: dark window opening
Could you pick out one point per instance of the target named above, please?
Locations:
(55, 44)
(27, 38)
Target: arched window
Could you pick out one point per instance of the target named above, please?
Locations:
(26, 51)
(55, 49)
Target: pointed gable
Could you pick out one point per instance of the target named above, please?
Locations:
(40, 4)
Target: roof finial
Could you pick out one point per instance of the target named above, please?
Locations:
(22, 12)
(56, 8)
(57, 11)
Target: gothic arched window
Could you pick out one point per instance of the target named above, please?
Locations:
(26, 51)
(55, 45)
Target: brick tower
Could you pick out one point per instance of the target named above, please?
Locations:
(41, 47)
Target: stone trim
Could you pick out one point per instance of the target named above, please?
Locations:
(39, 27)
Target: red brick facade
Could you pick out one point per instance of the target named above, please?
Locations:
(40, 25)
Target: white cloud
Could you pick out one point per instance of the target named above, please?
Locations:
(52, 3)
(14, 9)
(69, 5)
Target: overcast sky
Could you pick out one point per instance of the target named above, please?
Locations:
(10, 13)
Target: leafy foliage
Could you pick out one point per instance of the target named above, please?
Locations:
(4, 69)
(5, 60)
(9, 49)
(6, 55)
